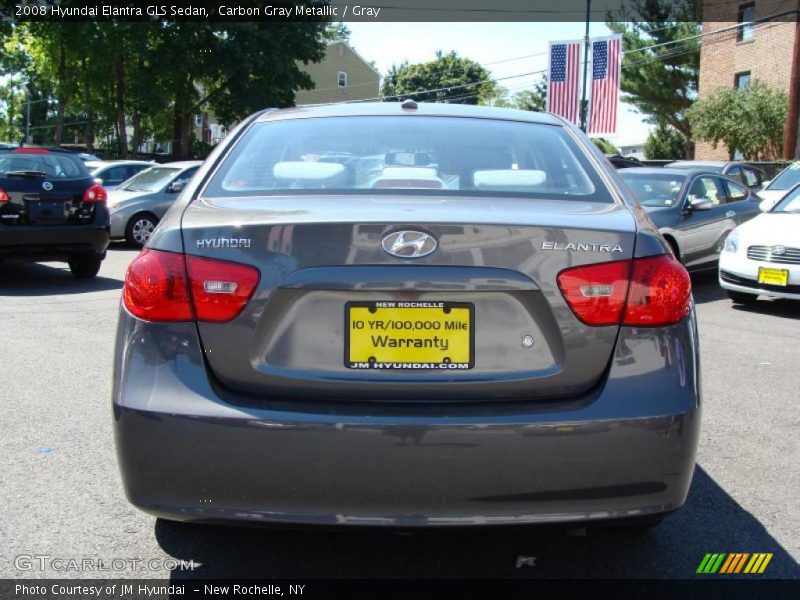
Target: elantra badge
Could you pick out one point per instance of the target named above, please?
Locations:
(778, 250)
(47, 186)
(409, 244)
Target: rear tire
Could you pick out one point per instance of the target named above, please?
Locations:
(139, 229)
(741, 297)
(86, 266)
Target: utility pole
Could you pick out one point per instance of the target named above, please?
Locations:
(28, 118)
(584, 102)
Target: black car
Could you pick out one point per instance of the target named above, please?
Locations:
(51, 209)
(694, 210)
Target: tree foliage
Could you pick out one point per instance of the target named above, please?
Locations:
(103, 79)
(660, 71)
(448, 78)
(605, 146)
(751, 120)
(665, 143)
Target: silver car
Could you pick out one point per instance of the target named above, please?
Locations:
(406, 315)
(136, 206)
(112, 173)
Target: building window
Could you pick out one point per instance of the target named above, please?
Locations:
(741, 80)
(747, 29)
(198, 120)
(342, 79)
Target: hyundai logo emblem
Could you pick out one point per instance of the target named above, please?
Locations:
(409, 244)
(779, 250)
(47, 186)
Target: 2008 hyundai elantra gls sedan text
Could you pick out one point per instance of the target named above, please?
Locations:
(406, 315)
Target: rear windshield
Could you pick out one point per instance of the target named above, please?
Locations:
(150, 180)
(430, 155)
(787, 178)
(654, 189)
(52, 165)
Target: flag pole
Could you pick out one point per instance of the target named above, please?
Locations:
(584, 102)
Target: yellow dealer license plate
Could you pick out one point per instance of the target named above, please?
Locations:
(409, 335)
(773, 276)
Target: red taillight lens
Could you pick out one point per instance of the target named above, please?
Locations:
(643, 292)
(96, 193)
(660, 292)
(157, 287)
(596, 293)
(220, 289)
(31, 151)
(3, 196)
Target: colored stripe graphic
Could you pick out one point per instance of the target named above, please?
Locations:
(711, 563)
(728, 564)
(758, 563)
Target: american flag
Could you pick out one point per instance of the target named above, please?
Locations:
(563, 82)
(606, 63)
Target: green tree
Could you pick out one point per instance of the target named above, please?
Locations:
(448, 78)
(751, 120)
(336, 31)
(664, 143)
(605, 146)
(660, 71)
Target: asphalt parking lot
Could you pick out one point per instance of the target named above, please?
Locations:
(62, 497)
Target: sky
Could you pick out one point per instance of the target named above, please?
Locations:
(505, 49)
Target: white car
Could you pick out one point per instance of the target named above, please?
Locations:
(778, 187)
(762, 256)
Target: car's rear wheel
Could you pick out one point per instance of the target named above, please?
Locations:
(85, 266)
(741, 297)
(140, 228)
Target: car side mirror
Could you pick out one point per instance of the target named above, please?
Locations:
(175, 187)
(701, 204)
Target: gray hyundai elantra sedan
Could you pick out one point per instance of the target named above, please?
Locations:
(404, 315)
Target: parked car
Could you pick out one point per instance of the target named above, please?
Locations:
(112, 173)
(777, 188)
(302, 310)
(138, 204)
(693, 210)
(8, 145)
(623, 162)
(762, 257)
(88, 157)
(741, 172)
(51, 209)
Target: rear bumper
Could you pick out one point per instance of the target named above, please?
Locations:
(189, 450)
(56, 242)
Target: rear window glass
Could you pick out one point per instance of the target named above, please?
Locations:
(654, 189)
(430, 155)
(787, 178)
(54, 166)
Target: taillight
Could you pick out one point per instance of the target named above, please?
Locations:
(3, 196)
(596, 293)
(643, 292)
(163, 286)
(31, 151)
(96, 193)
(220, 289)
(156, 287)
(660, 292)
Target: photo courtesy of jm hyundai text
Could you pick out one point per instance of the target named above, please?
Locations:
(407, 315)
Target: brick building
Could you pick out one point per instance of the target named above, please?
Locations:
(752, 48)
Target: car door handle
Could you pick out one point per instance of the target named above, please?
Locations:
(730, 213)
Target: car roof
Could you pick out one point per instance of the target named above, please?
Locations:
(103, 163)
(663, 171)
(179, 164)
(704, 163)
(358, 109)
